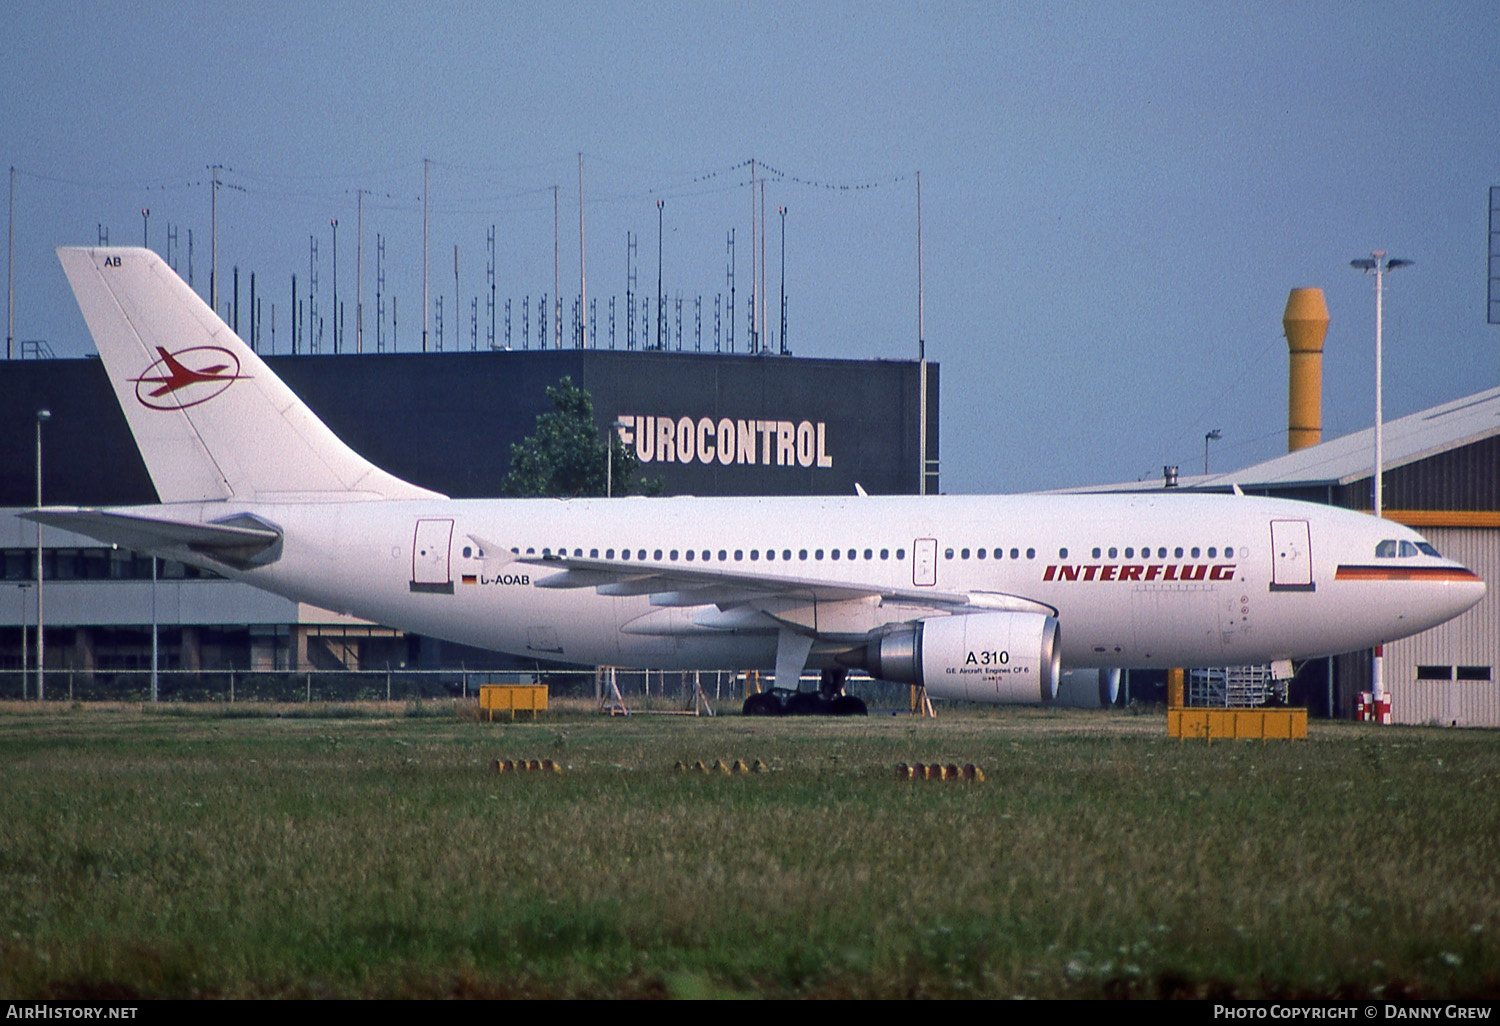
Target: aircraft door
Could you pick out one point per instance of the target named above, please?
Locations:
(924, 562)
(1291, 555)
(430, 556)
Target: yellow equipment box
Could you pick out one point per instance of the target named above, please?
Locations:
(511, 697)
(1232, 724)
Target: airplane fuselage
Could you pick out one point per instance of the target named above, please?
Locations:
(1147, 581)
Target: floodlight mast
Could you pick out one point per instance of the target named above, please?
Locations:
(1379, 265)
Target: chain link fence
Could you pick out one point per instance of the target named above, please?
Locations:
(659, 688)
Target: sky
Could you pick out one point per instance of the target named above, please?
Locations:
(1116, 197)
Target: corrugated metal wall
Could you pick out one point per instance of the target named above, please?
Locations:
(1472, 641)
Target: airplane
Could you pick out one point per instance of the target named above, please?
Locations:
(978, 598)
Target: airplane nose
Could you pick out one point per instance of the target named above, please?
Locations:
(1468, 593)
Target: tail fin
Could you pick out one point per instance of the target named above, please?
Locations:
(210, 419)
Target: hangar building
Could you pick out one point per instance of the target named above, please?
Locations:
(1442, 478)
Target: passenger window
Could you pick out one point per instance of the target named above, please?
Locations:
(674, 555)
(770, 554)
(900, 553)
(1177, 552)
(1113, 552)
(786, 553)
(963, 554)
(817, 554)
(739, 554)
(1096, 552)
(624, 553)
(754, 554)
(1161, 553)
(885, 553)
(1213, 552)
(1031, 553)
(1129, 552)
(1229, 552)
(609, 553)
(1062, 553)
(869, 554)
(1015, 553)
(852, 554)
(802, 554)
(468, 552)
(1195, 552)
(834, 553)
(657, 556)
(723, 556)
(641, 554)
(689, 555)
(979, 554)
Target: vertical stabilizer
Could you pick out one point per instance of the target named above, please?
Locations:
(210, 419)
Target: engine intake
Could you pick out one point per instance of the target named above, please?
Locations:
(998, 658)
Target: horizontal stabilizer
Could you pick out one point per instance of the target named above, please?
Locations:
(241, 543)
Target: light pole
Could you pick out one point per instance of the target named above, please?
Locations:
(1379, 265)
(660, 315)
(42, 416)
(1212, 436)
(784, 350)
(21, 586)
(146, 227)
(335, 222)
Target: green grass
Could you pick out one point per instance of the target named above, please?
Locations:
(366, 850)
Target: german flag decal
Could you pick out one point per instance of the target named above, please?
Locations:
(1404, 573)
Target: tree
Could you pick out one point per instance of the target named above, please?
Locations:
(565, 457)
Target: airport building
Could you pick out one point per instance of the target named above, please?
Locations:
(1442, 478)
(700, 424)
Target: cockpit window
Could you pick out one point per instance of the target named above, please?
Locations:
(1408, 549)
(1386, 549)
(1427, 550)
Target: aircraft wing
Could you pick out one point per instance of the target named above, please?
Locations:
(750, 600)
(239, 542)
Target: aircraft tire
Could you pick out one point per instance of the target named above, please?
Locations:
(806, 703)
(763, 703)
(848, 705)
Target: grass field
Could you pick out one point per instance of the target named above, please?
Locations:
(254, 851)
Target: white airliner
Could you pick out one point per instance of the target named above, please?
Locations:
(978, 598)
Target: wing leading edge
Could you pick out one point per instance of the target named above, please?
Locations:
(693, 600)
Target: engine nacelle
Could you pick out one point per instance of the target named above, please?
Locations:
(999, 658)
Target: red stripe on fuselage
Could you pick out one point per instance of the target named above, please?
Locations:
(1404, 573)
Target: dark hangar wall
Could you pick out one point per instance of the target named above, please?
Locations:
(447, 420)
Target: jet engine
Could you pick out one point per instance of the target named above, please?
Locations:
(999, 658)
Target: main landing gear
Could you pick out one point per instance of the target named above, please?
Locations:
(828, 700)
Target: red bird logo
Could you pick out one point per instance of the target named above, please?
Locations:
(171, 375)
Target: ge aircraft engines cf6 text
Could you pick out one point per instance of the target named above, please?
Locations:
(973, 597)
